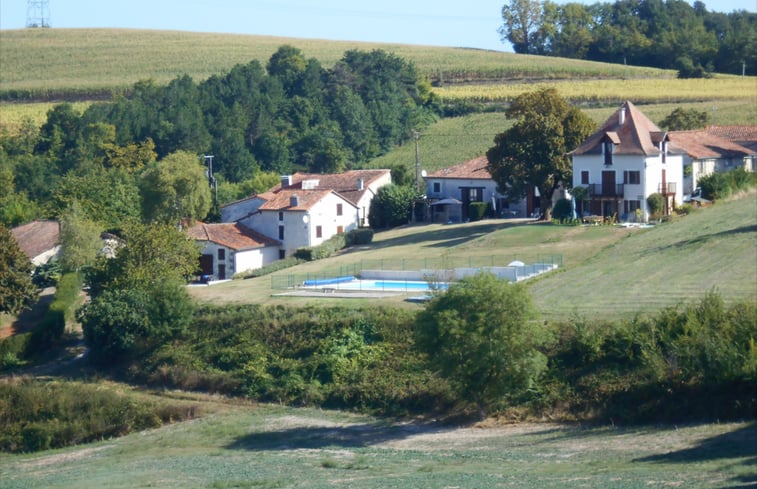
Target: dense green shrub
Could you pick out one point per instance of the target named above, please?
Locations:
(563, 209)
(13, 350)
(477, 210)
(360, 236)
(323, 250)
(656, 203)
(47, 275)
(36, 415)
(721, 185)
(62, 310)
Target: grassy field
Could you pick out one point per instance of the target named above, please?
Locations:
(609, 272)
(278, 447)
(84, 60)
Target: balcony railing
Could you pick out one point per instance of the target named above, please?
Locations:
(667, 188)
(599, 190)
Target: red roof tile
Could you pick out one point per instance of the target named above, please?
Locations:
(231, 235)
(475, 169)
(282, 200)
(636, 134)
(702, 144)
(345, 183)
(734, 133)
(37, 237)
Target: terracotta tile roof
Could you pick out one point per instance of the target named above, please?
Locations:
(636, 134)
(282, 200)
(734, 133)
(702, 144)
(340, 182)
(37, 237)
(231, 235)
(475, 169)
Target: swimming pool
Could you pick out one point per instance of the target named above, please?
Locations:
(401, 285)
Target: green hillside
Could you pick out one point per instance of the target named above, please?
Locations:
(609, 272)
(87, 60)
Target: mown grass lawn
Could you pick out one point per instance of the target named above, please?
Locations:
(608, 272)
(278, 447)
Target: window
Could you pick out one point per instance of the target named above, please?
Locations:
(437, 187)
(339, 209)
(281, 216)
(608, 149)
(318, 232)
(664, 149)
(281, 232)
(631, 205)
(339, 229)
(221, 253)
(282, 254)
(632, 177)
(584, 177)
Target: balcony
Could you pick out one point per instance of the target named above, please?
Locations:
(599, 190)
(667, 188)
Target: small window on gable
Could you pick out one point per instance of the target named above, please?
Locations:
(221, 253)
(281, 216)
(318, 232)
(281, 232)
(608, 150)
(584, 177)
(437, 187)
(339, 209)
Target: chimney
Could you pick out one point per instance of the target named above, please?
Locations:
(360, 184)
(294, 200)
(622, 115)
(286, 181)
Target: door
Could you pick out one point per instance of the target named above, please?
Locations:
(608, 183)
(206, 264)
(221, 272)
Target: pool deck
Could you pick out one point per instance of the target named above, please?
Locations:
(341, 293)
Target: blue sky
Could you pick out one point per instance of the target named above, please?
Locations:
(471, 23)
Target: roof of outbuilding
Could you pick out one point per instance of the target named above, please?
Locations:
(701, 144)
(633, 134)
(37, 237)
(734, 133)
(475, 169)
(231, 235)
(282, 200)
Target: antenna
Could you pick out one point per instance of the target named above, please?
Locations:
(38, 13)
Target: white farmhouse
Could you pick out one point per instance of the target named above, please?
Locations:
(301, 218)
(705, 153)
(451, 190)
(625, 161)
(230, 248)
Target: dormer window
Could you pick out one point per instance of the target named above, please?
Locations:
(608, 149)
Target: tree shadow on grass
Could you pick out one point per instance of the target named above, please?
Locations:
(316, 437)
(738, 444)
(449, 236)
(699, 240)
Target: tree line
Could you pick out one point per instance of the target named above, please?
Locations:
(668, 34)
(257, 121)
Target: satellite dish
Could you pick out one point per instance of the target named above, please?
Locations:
(424, 173)
(305, 219)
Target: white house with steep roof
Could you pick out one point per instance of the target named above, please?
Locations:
(624, 162)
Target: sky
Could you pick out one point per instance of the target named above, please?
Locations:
(466, 23)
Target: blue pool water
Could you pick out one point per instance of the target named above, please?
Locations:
(389, 285)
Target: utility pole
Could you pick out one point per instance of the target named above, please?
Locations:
(211, 178)
(38, 13)
(417, 136)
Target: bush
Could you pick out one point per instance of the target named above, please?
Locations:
(717, 186)
(563, 209)
(62, 310)
(477, 210)
(361, 236)
(656, 203)
(324, 250)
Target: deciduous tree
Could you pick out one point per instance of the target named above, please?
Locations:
(16, 289)
(533, 152)
(479, 335)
